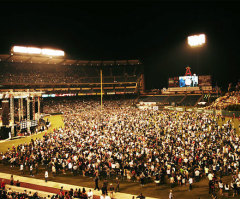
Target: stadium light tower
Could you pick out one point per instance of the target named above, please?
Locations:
(197, 40)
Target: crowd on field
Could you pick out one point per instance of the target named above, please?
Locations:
(126, 143)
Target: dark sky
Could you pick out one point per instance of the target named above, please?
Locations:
(153, 31)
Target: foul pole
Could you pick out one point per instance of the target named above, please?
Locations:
(101, 89)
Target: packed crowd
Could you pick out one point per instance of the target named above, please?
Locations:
(16, 73)
(10, 194)
(140, 145)
(226, 100)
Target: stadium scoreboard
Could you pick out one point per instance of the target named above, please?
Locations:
(190, 81)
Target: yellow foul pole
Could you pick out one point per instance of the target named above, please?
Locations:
(101, 89)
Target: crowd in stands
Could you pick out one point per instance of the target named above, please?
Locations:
(122, 142)
(223, 102)
(16, 73)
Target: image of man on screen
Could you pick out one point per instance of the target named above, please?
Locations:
(188, 81)
(182, 82)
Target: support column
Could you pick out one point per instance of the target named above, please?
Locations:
(28, 115)
(39, 108)
(12, 115)
(33, 108)
(21, 109)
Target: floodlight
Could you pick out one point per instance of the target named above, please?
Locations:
(19, 49)
(37, 51)
(52, 52)
(196, 40)
(32, 50)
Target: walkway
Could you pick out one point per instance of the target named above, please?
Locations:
(54, 187)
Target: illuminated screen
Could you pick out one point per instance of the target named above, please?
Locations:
(188, 81)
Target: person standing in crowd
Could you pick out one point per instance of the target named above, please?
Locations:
(227, 189)
(171, 196)
(22, 168)
(190, 183)
(3, 185)
(141, 196)
(142, 176)
(117, 188)
(11, 180)
(31, 170)
(36, 168)
(61, 193)
(105, 186)
(96, 183)
(111, 190)
(18, 183)
(220, 185)
(90, 194)
(46, 176)
(171, 182)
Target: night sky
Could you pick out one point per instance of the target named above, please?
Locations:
(154, 32)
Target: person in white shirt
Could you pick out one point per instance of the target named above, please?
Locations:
(206, 171)
(22, 169)
(46, 176)
(190, 183)
(226, 187)
(197, 173)
(107, 197)
(90, 194)
(220, 185)
(171, 196)
(210, 176)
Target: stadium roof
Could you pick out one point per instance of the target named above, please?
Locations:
(63, 61)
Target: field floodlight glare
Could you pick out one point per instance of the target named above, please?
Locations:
(37, 51)
(52, 52)
(196, 40)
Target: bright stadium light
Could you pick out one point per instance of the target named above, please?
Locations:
(19, 49)
(196, 40)
(32, 50)
(37, 51)
(52, 52)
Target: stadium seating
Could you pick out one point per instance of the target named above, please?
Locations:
(180, 100)
(190, 100)
(47, 73)
(160, 99)
(175, 99)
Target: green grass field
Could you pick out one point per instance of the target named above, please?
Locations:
(56, 122)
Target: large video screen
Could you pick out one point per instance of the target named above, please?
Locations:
(188, 81)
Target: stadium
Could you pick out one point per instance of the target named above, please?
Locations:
(90, 129)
